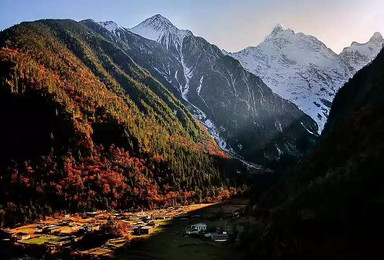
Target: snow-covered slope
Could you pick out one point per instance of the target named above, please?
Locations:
(360, 54)
(302, 69)
(109, 25)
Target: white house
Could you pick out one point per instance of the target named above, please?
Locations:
(196, 228)
(199, 226)
(220, 237)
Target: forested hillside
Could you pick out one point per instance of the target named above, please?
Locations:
(84, 127)
(331, 206)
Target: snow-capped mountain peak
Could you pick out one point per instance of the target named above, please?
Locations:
(377, 37)
(110, 25)
(160, 29)
(280, 31)
(299, 68)
(278, 28)
(359, 54)
(304, 70)
(159, 21)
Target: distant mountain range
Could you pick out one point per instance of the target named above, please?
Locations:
(240, 111)
(301, 69)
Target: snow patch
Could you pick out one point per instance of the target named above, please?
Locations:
(309, 131)
(109, 25)
(278, 126)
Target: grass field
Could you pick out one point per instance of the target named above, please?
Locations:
(40, 240)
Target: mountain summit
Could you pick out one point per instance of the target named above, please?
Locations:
(377, 37)
(278, 28)
(160, 29)
(359, 54)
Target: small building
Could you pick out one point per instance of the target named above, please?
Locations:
(220, 237)
(136, 230)
(22, 236)
(199, 226)
(50, 229)
(146, 230)
(142, 230)
(89, 228)
(196, 228)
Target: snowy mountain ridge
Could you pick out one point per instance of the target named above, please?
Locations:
(303, 70)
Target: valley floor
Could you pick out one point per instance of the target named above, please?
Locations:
(156, 234)
(173, 243)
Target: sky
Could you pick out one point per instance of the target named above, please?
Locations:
(230, 24)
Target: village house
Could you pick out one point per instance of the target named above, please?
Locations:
(89, 227)
(50, 229)
(22, 236)
(220, 237)
(146, 230)
(142, 230)
(199, 226)
(196, 228)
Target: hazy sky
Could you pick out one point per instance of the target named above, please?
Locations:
(230, 24)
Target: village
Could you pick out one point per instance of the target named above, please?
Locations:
(61, 233)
